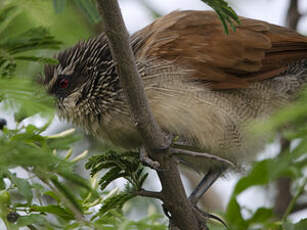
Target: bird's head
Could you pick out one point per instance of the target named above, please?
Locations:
(84, 82)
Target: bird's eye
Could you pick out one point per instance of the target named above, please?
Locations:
(64, 83)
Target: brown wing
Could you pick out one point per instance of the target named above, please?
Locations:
(196, 39)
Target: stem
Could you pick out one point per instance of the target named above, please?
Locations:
(293, 201)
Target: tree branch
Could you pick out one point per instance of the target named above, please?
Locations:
(293, 15)
(155, 141)
(145, 193)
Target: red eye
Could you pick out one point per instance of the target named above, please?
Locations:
(63, 83)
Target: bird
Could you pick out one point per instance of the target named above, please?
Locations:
(204, 87)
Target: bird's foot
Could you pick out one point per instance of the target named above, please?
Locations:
(146, 160)
(203, 218)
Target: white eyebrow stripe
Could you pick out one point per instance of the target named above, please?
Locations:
(68, 70)
(53, 80)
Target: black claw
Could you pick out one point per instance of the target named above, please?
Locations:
(211, 216)
(166, 212)
(2, 123)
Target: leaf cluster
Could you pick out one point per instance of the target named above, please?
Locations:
(125, 165)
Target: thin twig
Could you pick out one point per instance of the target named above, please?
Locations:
(209, 156)
(145, 193)
(293, 201)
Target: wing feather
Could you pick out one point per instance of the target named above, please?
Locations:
(196, 40)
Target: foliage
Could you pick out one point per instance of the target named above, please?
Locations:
(126, 165)
(226, 14)
(88, 7)
(39, 185)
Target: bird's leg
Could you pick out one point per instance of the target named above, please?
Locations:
(200, 190)
(185, 152)
(204, 185)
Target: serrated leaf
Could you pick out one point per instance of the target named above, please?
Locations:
(115, 202)
(110, 176)
(126, 165)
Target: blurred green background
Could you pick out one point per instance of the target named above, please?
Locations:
(43, 182)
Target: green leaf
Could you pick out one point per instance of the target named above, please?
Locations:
(233, 215)
(261, 216)
(79, 181)
(90, 10)
(67, 193)
(32, 39)
(126, 165)
(268, 170)
(53, 195)
(259, 175)
(24, 188)
(54, 209)
(2, 176)
(7, 14)
(116, 201)
(31, 219)
(110, 176)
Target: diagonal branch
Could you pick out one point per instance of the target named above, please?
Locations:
(155, 141)
(182, 152)
(145, 193)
